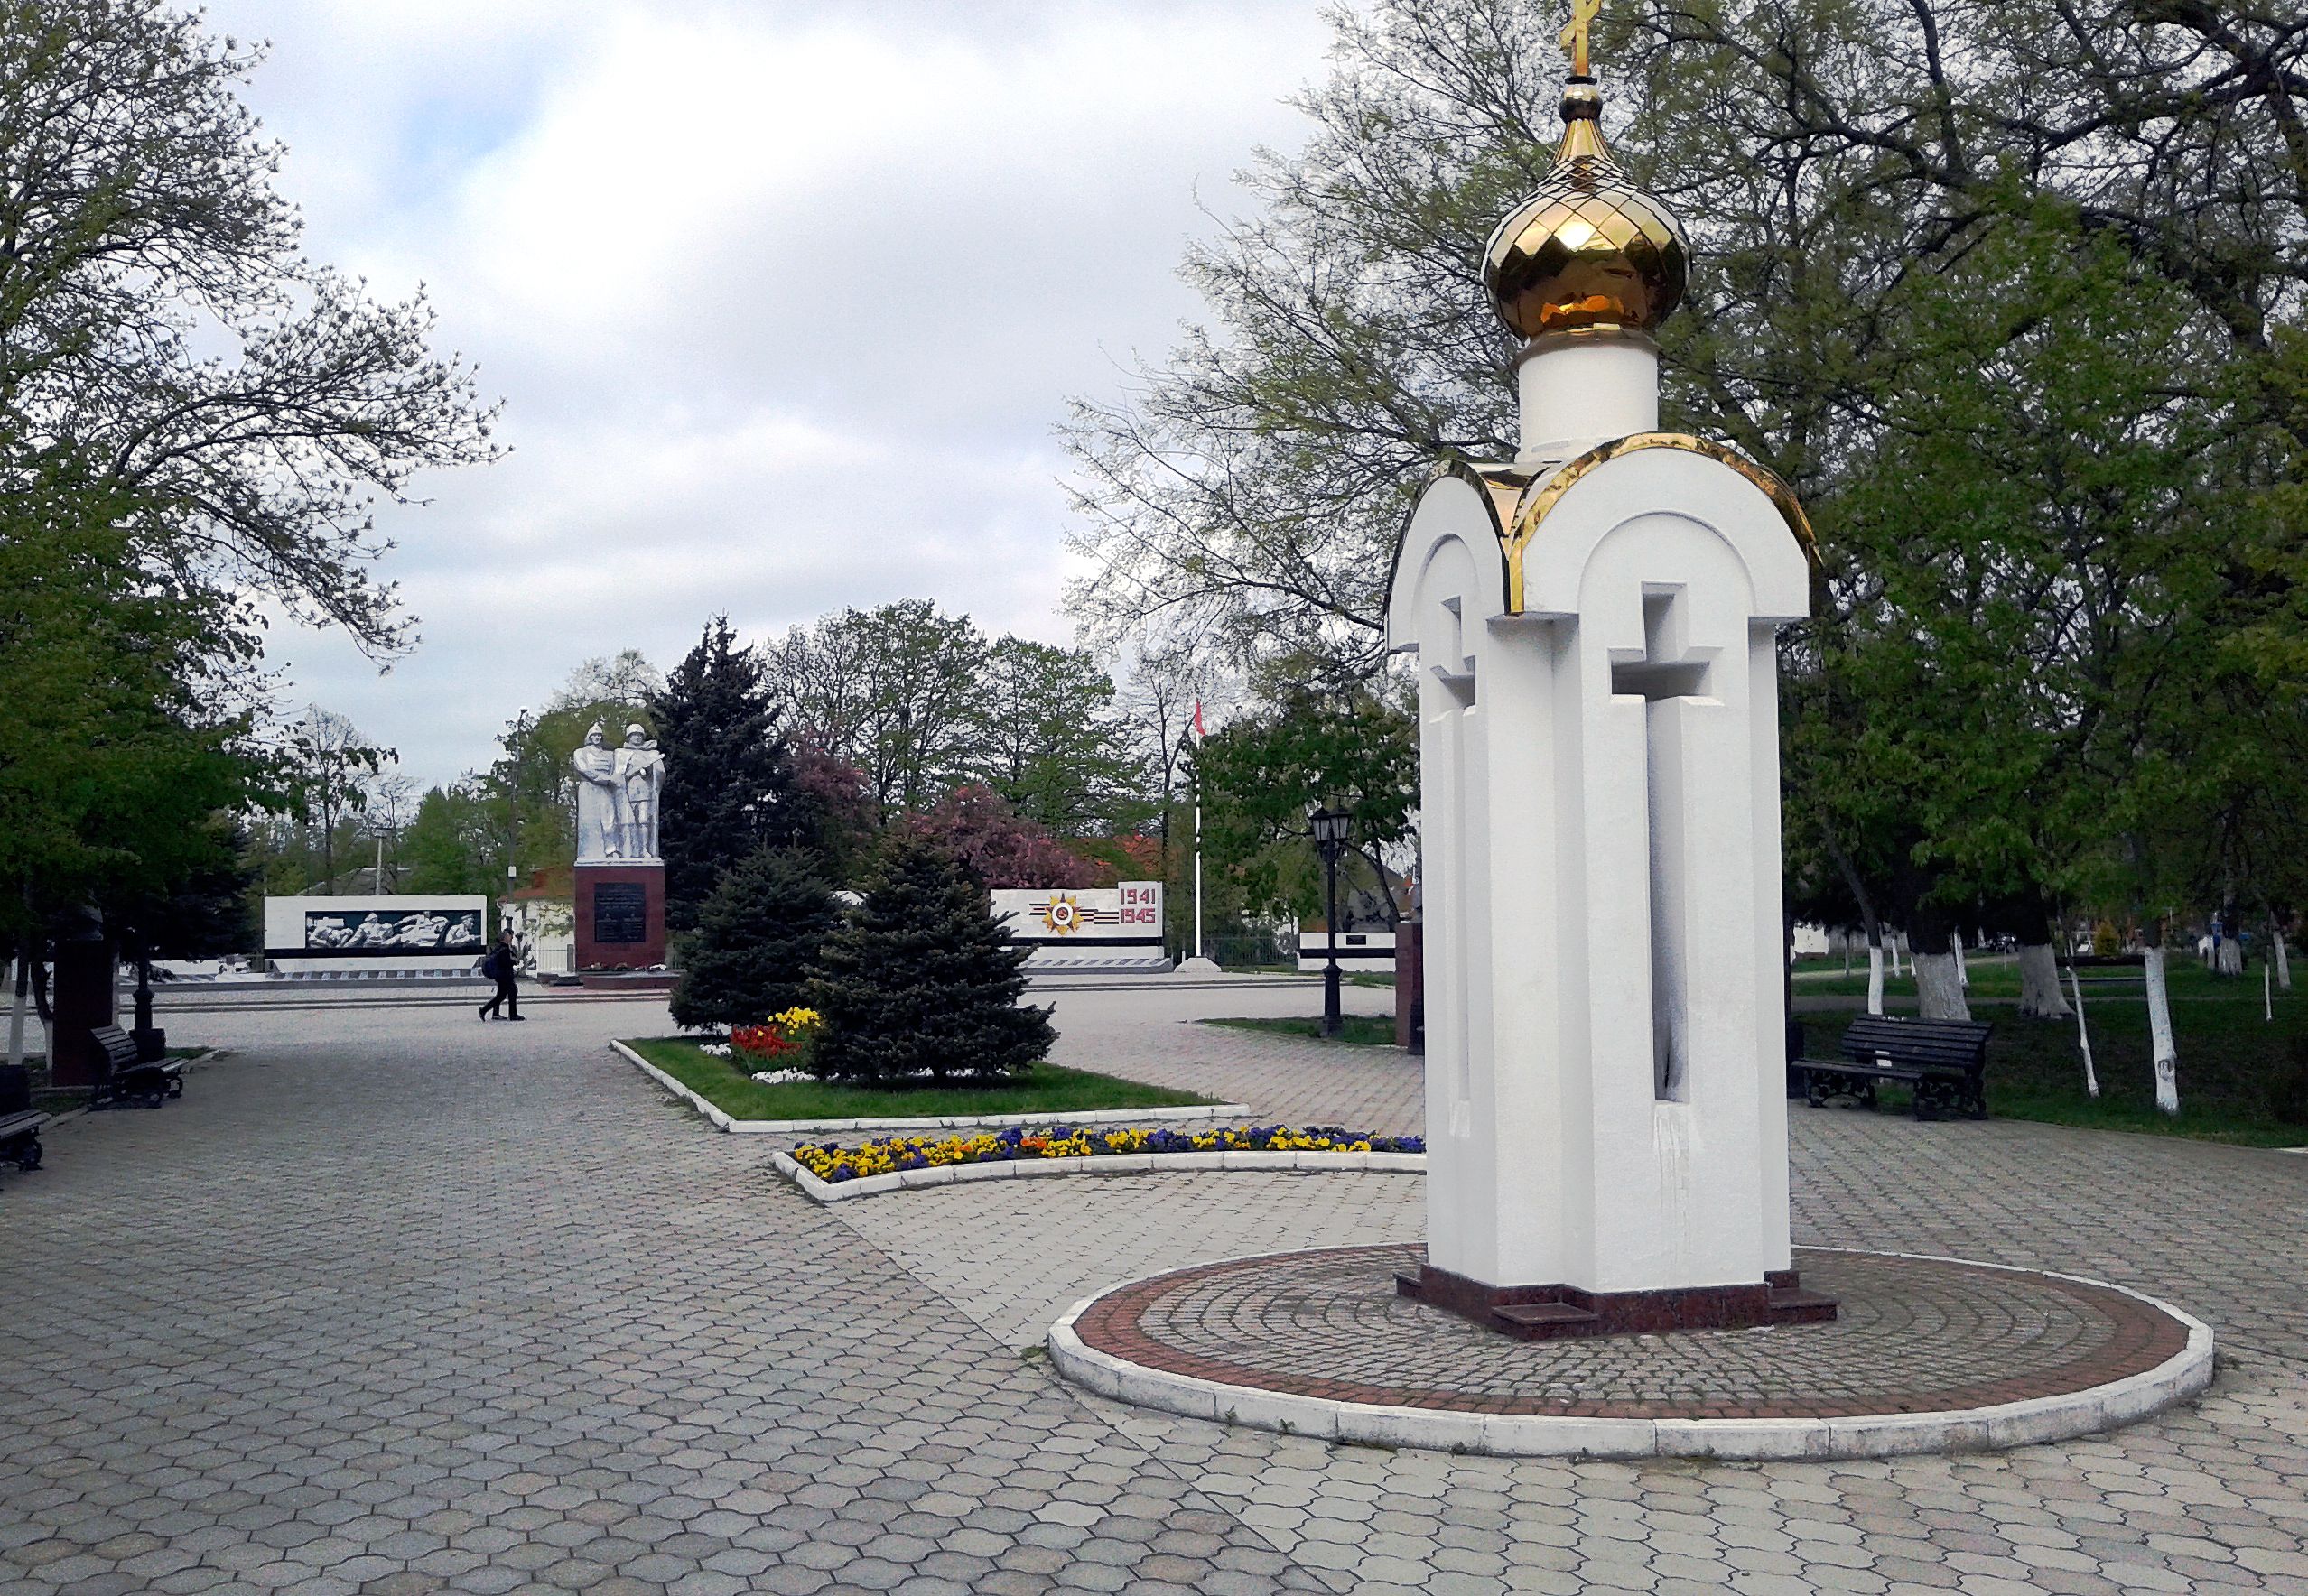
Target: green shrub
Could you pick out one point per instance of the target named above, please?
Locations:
(920, 983)
(756, 937)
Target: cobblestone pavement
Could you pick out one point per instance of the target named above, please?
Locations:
(392, 1301)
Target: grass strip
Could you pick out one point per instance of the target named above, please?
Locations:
(1048, 1089)
(1360, 1030)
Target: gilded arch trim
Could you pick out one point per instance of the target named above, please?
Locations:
(1500, 488)
(1516, 536)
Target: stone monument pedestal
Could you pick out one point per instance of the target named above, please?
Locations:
(620, 914)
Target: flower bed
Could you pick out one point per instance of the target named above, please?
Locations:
(773, 1052)
(832, 1163)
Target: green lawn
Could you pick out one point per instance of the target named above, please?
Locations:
(1363, 1030)
(1048, 1090)
(2232, 1061)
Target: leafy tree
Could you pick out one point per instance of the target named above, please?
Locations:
(1049, 740)
(756, 937)
(894, 691)
(626, 678)
(208, 912)
(1266, 771)
(452, 841)
(730, 785)
(976, 827)
(840, 813)
(241, 405)
(920, 981)
(122, 747)
(329, 767)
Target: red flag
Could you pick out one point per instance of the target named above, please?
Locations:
(1198, 733)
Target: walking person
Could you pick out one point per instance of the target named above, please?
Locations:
(498, 964)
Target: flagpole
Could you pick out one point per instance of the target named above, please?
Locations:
(1198, 735)
(1198, 866)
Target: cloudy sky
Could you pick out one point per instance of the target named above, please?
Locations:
(782, 297)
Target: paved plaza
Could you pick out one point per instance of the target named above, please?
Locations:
(392, 1301)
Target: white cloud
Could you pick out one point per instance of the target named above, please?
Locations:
(784, 299)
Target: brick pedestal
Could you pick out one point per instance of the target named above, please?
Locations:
(620, 917)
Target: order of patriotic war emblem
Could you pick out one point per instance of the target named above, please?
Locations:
(422, 931)
(1063, 916)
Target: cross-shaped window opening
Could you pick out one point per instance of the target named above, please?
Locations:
(1668, 672)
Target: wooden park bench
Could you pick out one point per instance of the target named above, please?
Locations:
(20, 1123)
(1943, 1061)
(128, 1077)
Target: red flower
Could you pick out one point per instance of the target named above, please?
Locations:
(759, 1043)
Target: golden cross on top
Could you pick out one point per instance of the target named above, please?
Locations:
(1574, 37)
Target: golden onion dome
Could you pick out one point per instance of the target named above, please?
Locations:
(1589, 249)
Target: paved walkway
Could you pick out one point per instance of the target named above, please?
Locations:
(396, 1302)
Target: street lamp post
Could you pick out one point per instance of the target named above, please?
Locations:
(1330, 827)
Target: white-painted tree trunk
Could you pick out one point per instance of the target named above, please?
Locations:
(2040, 994)
(2282, 963)
(2083, 1037)
(1894, 953)
(2268, 993)
(1939, 988)
(1875, 977)
(2231, 956)
(16, 1014)
(2167, 1056)
(1963, 970)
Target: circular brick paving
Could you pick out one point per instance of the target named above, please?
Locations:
(1915, 1336)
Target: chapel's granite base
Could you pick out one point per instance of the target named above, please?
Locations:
(1550, 1313)
(1924, 1355)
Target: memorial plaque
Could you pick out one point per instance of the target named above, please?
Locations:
(620, 913)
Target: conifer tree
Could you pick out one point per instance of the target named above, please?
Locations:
(729, 784)
(921, 981)
(756, 938)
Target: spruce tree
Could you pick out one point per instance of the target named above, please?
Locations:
(729, 784)
(756, 937)
(921, 979)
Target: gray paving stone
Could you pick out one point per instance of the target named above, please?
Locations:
(411, 1306)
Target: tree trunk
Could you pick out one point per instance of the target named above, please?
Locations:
(1939, 983)
(1939, 990)
(2231, 956)
(1875, 972)
(1963, 970)
(2040, 994)
(2283, 960)
(2159, 1001)
(2083, 1037)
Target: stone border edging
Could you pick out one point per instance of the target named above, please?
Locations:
(1981, 1429)
(1027, 1169)
(723, 1120)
